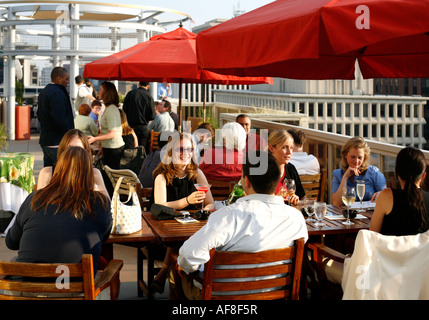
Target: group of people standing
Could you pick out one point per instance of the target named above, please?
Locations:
(69, 214)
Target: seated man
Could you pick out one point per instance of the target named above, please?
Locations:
(257, 222)
(162, 121)
(303, 162)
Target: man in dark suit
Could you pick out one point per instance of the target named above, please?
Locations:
(139, 108)
(55, 114)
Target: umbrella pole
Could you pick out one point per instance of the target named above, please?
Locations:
(204, 102)
(180, 106)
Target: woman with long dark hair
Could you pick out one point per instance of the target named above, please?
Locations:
(65, 219)
(404, 211)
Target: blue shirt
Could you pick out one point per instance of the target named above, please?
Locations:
(374, 181)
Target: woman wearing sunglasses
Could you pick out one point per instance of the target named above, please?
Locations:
(175, 176)
(174, 181)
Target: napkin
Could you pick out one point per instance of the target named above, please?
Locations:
(333, 216)
(367, 205)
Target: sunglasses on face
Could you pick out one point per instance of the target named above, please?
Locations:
(183, 150)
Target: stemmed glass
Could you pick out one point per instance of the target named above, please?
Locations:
(320, 210)
(348, 197)
(309, 208)
(205, 188)
(288, 189)
(360, 188)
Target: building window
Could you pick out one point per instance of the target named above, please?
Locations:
(365, 130)
(311, 109)
(383, 131)
(374, 130)
(348, 107)
(391, 130)
(357, 131)
(391, 106)
(348, 133)
(365, 110)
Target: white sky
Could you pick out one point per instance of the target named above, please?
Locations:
(201, 10)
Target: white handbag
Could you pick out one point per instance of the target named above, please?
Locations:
(126, 218)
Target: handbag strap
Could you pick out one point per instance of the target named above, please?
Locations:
(130, 186)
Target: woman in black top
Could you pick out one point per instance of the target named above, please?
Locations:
(405, 211)
(280, 145)
(65, 219)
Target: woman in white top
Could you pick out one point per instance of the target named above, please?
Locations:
(111, 127)
(72, 138)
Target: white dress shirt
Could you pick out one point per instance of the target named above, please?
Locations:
(254, 223)
(305, 163)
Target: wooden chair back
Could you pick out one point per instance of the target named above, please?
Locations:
(221, 189)
(315, 185)
(285, 283)
(115, 174)
(144, 195)
(154, 140)
(83, 286)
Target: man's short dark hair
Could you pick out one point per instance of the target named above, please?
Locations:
(298, 136)
(143, 84)
(78, 79)
(167, 105)
(242, 115)
(267, 182)
(58, 72)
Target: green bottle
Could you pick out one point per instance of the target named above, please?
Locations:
(237, 192)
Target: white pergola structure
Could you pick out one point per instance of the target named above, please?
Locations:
(74, 32)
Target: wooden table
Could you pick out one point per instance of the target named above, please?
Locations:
(138, 240)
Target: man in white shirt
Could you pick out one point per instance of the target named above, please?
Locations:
(257, 222)
(303, 162)
(84, 93)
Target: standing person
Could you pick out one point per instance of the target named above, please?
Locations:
(55, 114)
(162, 121)
(257, 222)
(84, 94)
(354, 166)
(303, 162)
(65, 219)
(280, 145)
(111, 127)
(139, 108)
(404, 211)
(164, 90)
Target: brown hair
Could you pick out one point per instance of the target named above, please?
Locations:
(110, 94)
(65, 141)
(168, 168)
(71, 187)
(84, 109)
(126, 129)
(355, 143)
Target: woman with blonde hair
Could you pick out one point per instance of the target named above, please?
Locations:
(65, 219)
(174, 186)
(72, 138)
(128, 134)
(280, 145)
(354, 166)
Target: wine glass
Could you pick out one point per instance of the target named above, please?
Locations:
(348, 197)
(288, 189)
(205, 188)
(360, 189)
(309, 208)
(320, 211)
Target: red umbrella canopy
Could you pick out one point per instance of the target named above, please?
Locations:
(169, 57)
(322, 39)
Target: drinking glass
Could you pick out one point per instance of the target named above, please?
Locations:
(360, 190)
(320, 211)
(348, 197)
(205, 188)
(288, 189)
(309, 209)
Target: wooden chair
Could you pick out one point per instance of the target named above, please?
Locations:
(221, 189)
(315, 185)
(154, 140)
(84, 288)
(285, 285)
(144, 195)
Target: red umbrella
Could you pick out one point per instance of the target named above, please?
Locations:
(168, 57)
(322, 39)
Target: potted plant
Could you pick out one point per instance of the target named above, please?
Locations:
(3, 138)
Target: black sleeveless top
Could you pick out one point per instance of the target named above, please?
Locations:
(180, 188)
(399, 222)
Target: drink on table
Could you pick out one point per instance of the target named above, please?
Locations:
(360, 189)
(348, 197)
(320, 211)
